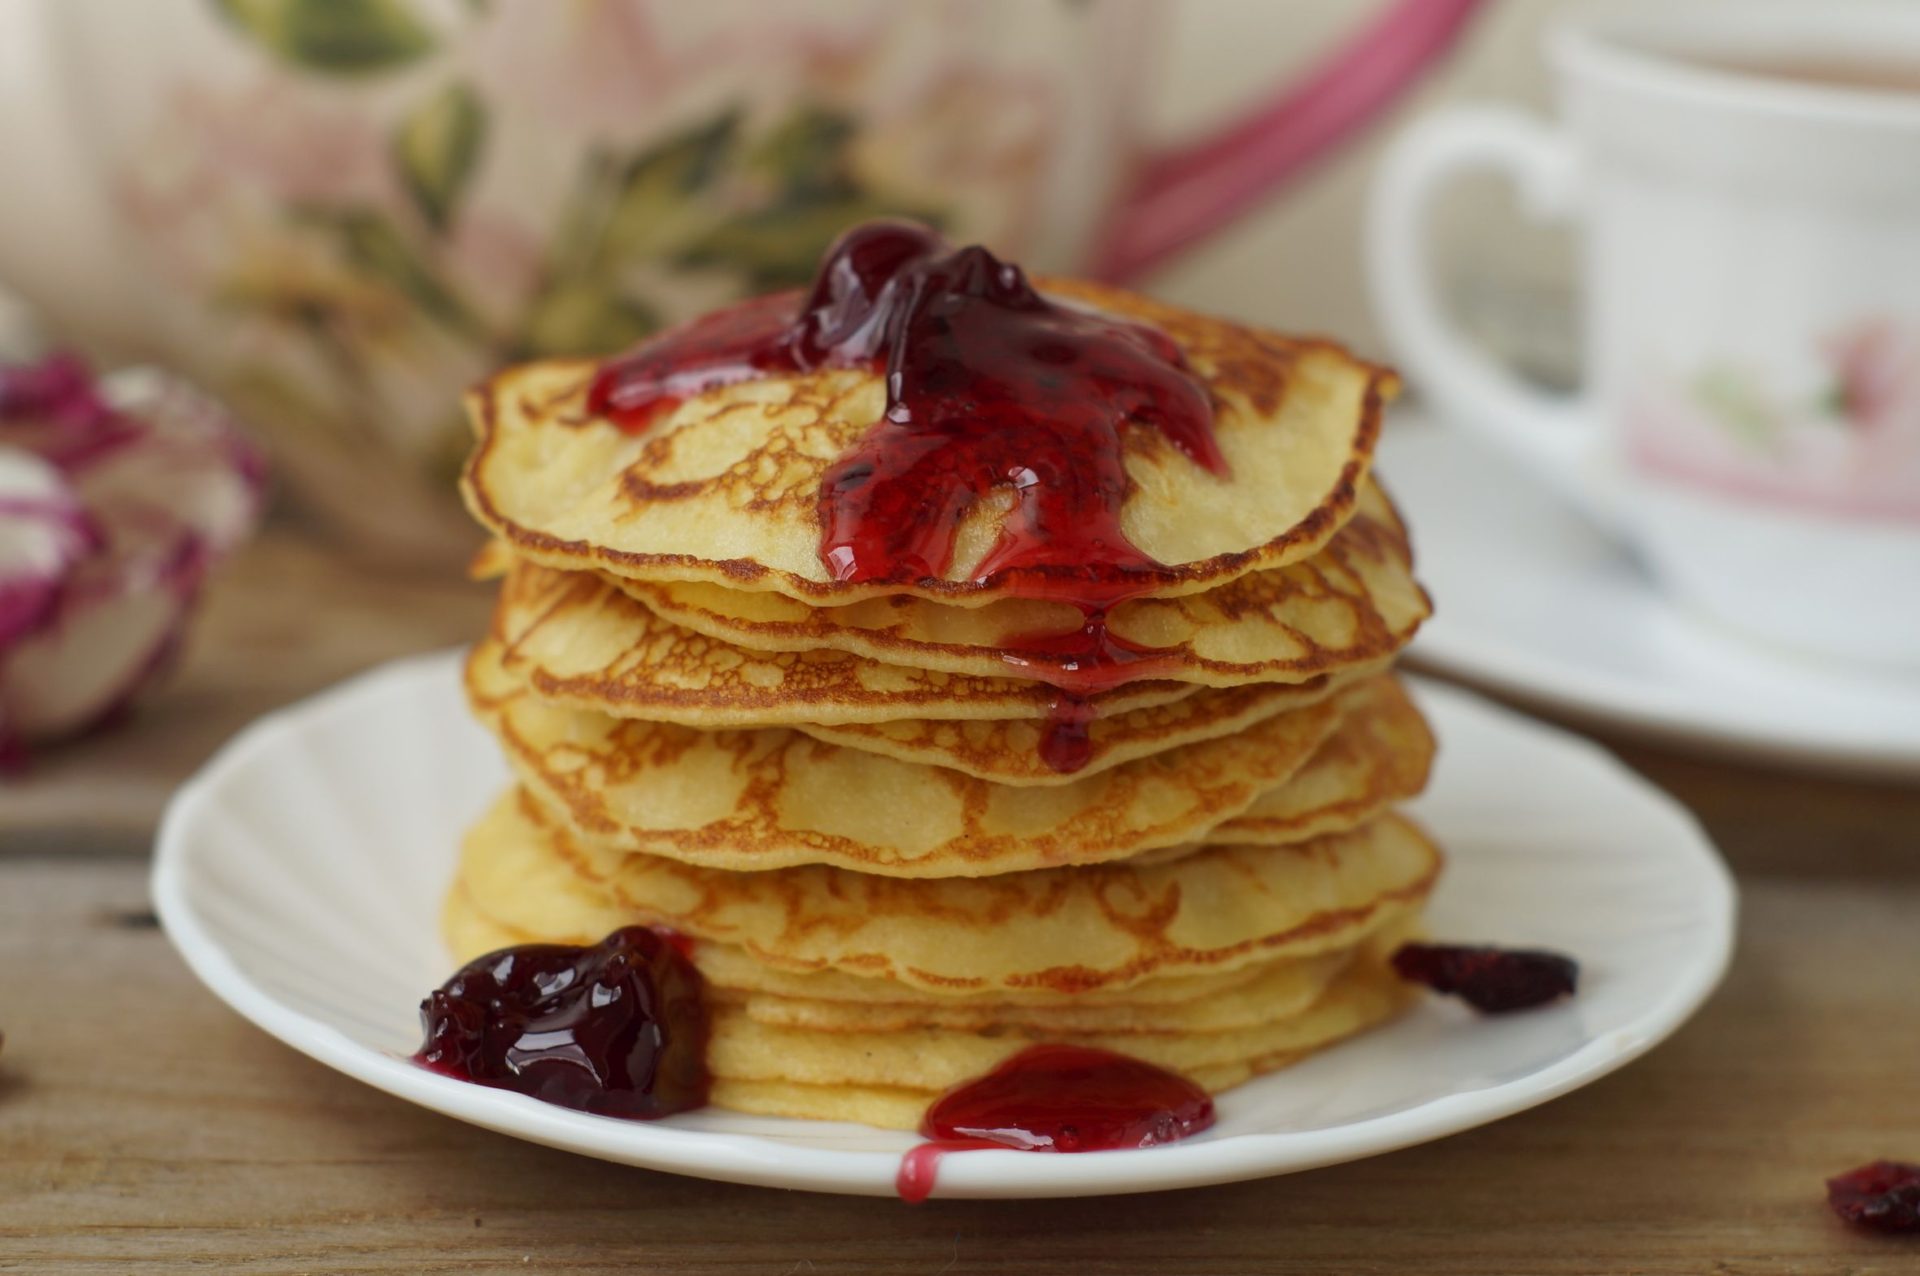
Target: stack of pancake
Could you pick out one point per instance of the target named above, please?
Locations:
(838, 792)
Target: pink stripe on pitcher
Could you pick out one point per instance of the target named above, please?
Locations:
(1186, 194)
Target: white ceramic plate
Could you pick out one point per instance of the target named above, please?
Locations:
(1534, 601)
(300, 875)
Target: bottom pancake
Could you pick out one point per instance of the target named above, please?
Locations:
(1361, 1000)
(881, 1062)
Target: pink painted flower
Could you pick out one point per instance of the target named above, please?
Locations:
(1877, 364)
(115, 501)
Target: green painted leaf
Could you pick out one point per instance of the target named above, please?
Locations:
(780, 246)
(436, 148)
(1740, 406)
(808, 150)
(583, 318)
(1834, 403)
(654, 209)
(690, 159)
(334, 37)
(373, 244)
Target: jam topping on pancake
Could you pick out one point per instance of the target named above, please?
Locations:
(989, 386)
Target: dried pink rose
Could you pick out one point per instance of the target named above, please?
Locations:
(116, 497)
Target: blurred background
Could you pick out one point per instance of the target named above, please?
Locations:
(1297, 262)
(336, 213)
(256, 249)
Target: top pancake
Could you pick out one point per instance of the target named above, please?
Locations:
(724, 489)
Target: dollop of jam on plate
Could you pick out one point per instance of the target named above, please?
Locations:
(1056, 1098)
(990, 385)
(618, 1028)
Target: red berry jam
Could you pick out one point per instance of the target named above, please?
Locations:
(1056, 1098)
(989, 385)
(1884, 1196)
(618, 1029)
(1491, 980)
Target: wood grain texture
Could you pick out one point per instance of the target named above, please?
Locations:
(144, 1127)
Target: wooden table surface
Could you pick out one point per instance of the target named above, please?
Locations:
(143, 1126)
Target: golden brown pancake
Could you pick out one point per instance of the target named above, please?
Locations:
(1256, 994)
(724, 490)
(1363, 999)
(1007, 751)
(581, 642)
(772, 798)
(1067, 930)
(1353, 605)
(1277, 989)
(471, 931)
(1377, 758)
(934, 1059)
(874, 1066)
(1011, 752)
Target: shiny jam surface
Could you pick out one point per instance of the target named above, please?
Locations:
(1057, 1098)
(989, 385)
(618, 1029)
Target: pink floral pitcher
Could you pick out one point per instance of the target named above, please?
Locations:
(342, 212)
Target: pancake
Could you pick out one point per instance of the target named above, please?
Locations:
(1011, 752)
(1354, 604)
(1363, 999)
(724, 490)
(1380, 755)
(1257, 994)
(1004, 750)
(883, 1070)
(581, 642)
(1375, 759)
(772, 798)
(1064, 930)
(934, 1059)
(1278, 989)
(470, 930)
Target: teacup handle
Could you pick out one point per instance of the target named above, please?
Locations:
(1554, 434)
(1184, 194)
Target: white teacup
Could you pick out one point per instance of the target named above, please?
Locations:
(1748, 179)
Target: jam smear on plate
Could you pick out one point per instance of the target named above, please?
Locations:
(1493, 981)
(618, 1028)
(989, 385)
(1056, 1098)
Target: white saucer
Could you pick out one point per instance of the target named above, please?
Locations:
(1532, 600)
(300, 874)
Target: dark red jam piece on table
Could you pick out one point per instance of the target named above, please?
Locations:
(618, 1029)
(989, 385)
(1491, 980)
(1056, 1098)
(1884, 1196)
